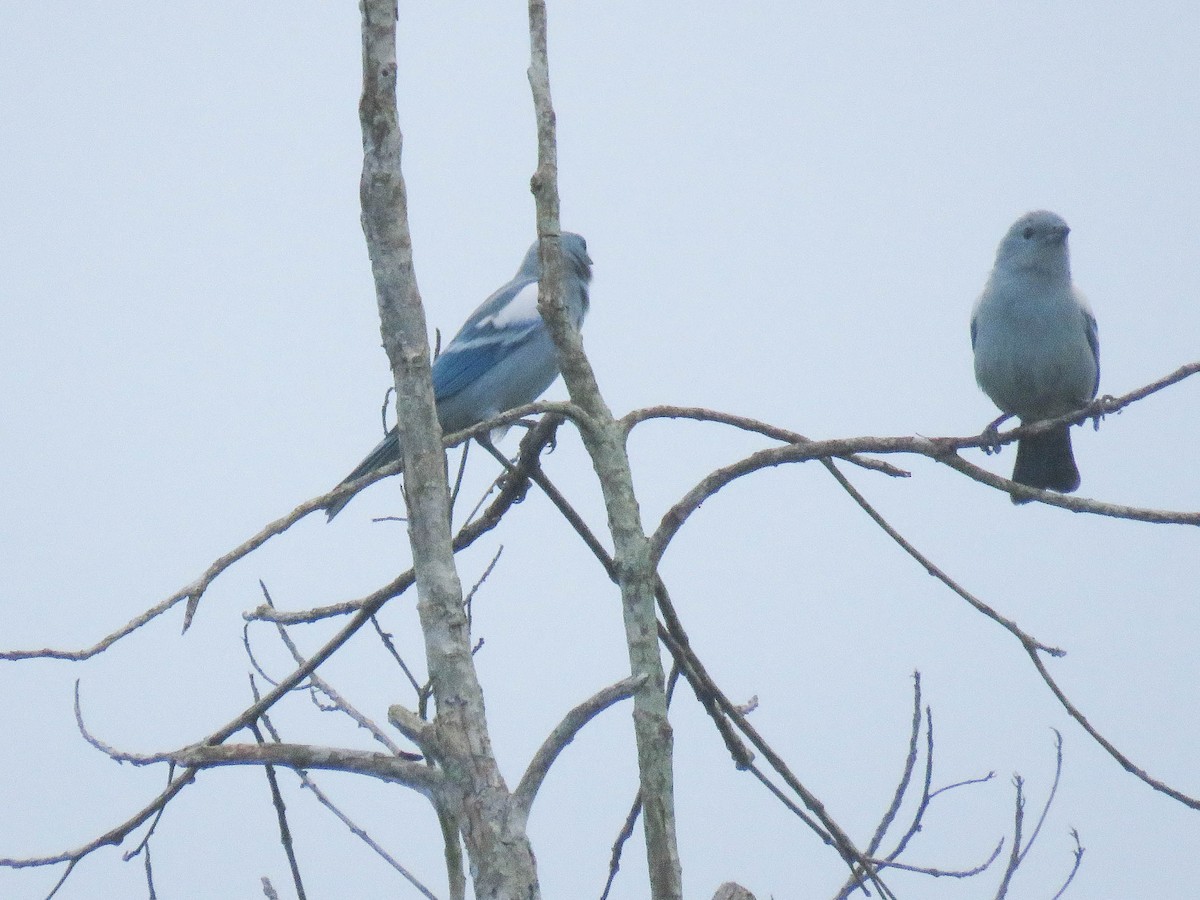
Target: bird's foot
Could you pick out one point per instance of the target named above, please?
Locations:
(1099, 408)
(990, 436)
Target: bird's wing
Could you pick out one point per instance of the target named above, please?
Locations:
(504, 322)
(975, 309)
(1091, 331)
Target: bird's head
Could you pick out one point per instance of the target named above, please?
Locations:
(575, 255)
(1037, 240)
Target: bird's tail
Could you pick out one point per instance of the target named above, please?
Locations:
(387, 451)
(1045, 461)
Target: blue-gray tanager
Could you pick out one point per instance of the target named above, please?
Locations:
(501, 358)
(1037, 354)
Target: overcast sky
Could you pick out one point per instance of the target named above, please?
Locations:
(791, 208)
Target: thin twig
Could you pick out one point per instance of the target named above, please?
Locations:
(285, 832)
(1033, 648)
(467, 603)
(307, 781)
(937, 872)
(910, 762)
(390, 646)
(339, 702)
(574, 519)
(149, 868)
(1078, 853)
(702, 683)
(927, 794)
(1058, 764)
(462, 470)
(144, 843)
(626, 832)
(700, 414)
(1014, 857)
(194, 591)
(635, 809)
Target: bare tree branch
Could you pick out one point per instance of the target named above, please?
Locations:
(148, 867)
(708, 693)
(563, 734)
(501, 857)
(339, 702)
(1058, 764)
(623, 836)
(1078, 853)
(673, 636)
(891, 860)
(744, 423)
(1033, 648)
(322, 798)
(306, 781)
(556, 412)
(285, 832)
(937, 872)
(384, 766)
(910, 763)
(111, 837)
(802, 450)
(511, 493)
(605, 442)
(1014, 857)
(635, 808)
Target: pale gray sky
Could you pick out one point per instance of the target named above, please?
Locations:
(791, 209)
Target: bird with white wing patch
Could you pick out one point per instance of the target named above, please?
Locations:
(501, 358)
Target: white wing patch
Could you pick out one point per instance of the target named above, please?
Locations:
(520, 310)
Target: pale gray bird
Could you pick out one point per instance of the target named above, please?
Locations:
(500, 359)
(1037, 354)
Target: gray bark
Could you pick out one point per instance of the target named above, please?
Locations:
(474, 791)
(605, 442)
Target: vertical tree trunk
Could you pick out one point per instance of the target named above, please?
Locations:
(501, 858)
(605, 442)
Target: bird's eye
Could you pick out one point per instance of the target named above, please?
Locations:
(1028, 232)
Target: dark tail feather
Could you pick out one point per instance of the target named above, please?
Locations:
(1045, 461)
(387, 451)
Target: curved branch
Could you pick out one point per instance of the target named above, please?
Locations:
(196, 590)
(1067, 501)
(700, 414)
(943, 450)
(563, 734)
(112, 837)
(1125, 762)
(1027, 640)
(531, 446)
(384, 766)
